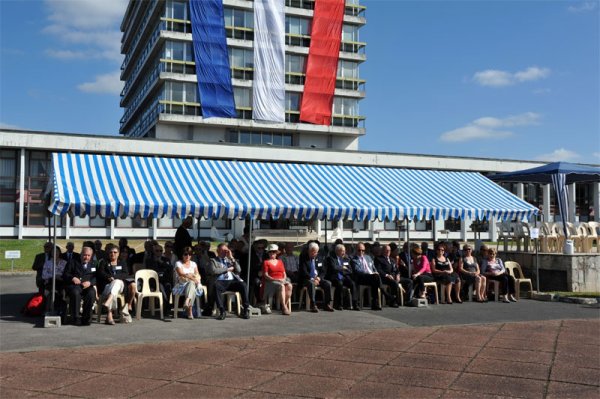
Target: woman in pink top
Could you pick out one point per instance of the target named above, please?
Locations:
(421, 271)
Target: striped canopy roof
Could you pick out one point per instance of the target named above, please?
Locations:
(118, 186)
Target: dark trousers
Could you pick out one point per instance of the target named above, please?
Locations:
(76, 293)
(373, 281)
(408, 286)
(507, 283)
(325, 285)
(421, 280)
(339, 285)
(230, 285)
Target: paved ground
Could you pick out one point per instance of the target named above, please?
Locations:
(526, 349)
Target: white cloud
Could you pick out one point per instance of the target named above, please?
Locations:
(104, 84)
(498, 78)
(559, 154)
(542, 91)
(489, 127)
(583, 7)
(9, 126)
(596, 155)
(86, 28)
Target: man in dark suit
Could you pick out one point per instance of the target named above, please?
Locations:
(339, 272)
(98, 251)
(390, 275)
(257, 256)
(80, 278)
(364, 272)
(70, 255)
(182, 236)
(311, 274)
(225, 273)
(38, 265)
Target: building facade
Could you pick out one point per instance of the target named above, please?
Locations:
(25, 167)
(161, 97)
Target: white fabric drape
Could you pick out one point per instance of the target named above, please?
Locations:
(269, 60)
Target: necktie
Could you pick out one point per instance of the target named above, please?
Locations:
(313, 272)
(365, 266)
(340, 275)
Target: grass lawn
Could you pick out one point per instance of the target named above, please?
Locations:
(578, 294)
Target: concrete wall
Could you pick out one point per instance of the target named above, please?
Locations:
(578, 273)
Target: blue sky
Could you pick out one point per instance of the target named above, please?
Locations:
(502, 79)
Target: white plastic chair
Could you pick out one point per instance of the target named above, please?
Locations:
(515, 270)
(146, 276)
(591, 236)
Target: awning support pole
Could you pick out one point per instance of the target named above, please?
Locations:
(408, 246)
(249, 255)
(53, 268)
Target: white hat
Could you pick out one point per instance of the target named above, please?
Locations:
(272, 247)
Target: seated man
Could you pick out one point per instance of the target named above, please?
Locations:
(80, 280)
(311, 274)
(225, 270)
(290, 261)
(162, 266)
(339, 272)
(364, 273)
(390, 275)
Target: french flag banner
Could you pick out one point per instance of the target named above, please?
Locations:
(321, 66)
(212, 60)
(268, 91)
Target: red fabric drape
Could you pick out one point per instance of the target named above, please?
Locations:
(321, 67)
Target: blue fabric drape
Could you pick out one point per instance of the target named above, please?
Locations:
(212, 60)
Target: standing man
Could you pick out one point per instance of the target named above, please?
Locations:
(339, 272)
(70, 255)
(38, 265)
(312, 275)
(365, 274)
(182, 236)
(81, 280)
(225, 271)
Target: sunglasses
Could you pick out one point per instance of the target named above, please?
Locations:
(186, 254)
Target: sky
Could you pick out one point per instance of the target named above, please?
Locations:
(501, 79)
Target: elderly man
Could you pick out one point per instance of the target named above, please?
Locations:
(339, 272)
(311, 274)
(225, 271)
(81, 280)
(364, 273)
(391, 276)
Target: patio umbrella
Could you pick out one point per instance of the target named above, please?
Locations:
(559, 174)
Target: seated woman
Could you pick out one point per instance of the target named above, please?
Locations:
(275, 279)
(421, 270)
(112, 279)
(188, 281)
(493, 269)
(468, 269)
(59, 304)
(444, 274)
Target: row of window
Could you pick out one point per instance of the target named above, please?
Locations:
(263, 138)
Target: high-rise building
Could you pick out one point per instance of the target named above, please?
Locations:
(161, 97)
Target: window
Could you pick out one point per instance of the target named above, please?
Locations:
(297, 26)
(256, 138)
(345, 106)
(347, 69)
(180, 92)
(242, 97)
(292, 101)
(181, 51)
(238, 18)
(8, 187)
(176, 9)
(241, 58)
(350, 33)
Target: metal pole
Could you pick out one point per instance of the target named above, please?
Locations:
(325, 230)
(53, 268)
(537, 263)
(408, 247)
(249, 255)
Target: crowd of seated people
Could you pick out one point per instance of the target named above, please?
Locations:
(331, 277)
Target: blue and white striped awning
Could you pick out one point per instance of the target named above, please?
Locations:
(118, 186)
